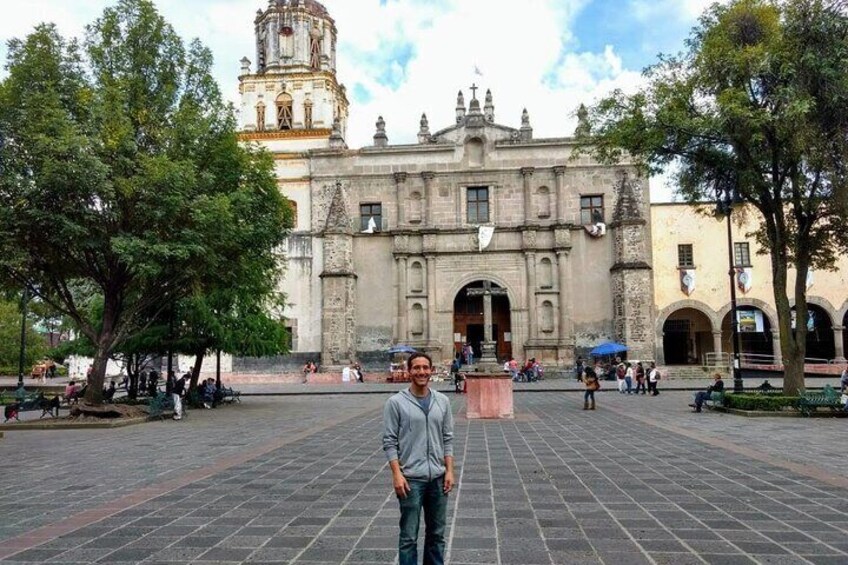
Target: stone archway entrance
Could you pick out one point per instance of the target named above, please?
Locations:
(469, 319)
(820, 343)
(755, 335)
(687, 337)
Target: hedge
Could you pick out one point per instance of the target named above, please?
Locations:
(762, 402)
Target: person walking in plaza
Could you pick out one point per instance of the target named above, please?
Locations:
(177, 391)
(639, 374)
(418, 442)
(590, 380)
(620, 372)
(653, 379)
(704, 395)
(628, 378)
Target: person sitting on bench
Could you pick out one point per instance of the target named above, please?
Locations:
(109, 393)
(701, 397)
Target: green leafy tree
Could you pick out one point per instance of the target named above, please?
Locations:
(758, 103)
(123, 177)
(10, 340)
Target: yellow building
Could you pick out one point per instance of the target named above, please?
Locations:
(692, 290)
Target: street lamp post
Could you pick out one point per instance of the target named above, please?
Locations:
(24, 301)
(726, 198)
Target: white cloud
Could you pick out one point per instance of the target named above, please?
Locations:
(412, 56)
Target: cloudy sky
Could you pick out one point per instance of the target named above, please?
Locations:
(399, 58)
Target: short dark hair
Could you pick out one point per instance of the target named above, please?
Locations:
(416, 355)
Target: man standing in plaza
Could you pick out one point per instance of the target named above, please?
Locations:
(418, 441)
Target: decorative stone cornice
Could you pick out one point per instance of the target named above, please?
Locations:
(635, 266)
(525, 171)
(628, 222)
(559, 170)
(285, 134)
(399, 177)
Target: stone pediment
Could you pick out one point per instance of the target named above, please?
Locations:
(460, 133)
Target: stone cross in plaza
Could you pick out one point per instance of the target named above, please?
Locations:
(489, 358)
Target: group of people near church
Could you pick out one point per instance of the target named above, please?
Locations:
(625, 373)
(529, 371)
(353, 373)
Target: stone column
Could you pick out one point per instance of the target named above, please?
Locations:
(717, 343)
(839, 346)
(775, 344)
(566, 326)
(401, 299)
(530, 259)
(427, 197)
(400, 198)
(560, 194)
(431, 296)
(527, 173)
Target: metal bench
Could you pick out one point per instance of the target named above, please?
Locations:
(809, 402)
(159, 404)
(32, 402)
(716, 400)
(230, 395)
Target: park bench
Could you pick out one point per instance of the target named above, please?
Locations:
(809, 402)
(32, 402)
(230, 395)
(159, 404)
(716, 400)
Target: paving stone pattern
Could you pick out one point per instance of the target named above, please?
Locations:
(557, 485)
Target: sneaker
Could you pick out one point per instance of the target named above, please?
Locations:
(205, 405)
(178, 418)
(692, 406)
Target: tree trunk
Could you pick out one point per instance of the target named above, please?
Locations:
(792, 342)
(105, 342)
(94, 392)
(195, 371)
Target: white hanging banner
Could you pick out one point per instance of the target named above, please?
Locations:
(484, 236)
(810, 280)
(744, 278)
(687, 281)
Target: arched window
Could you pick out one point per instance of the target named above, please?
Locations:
(547, 318)
(544, 202)
(284, 111)
(260, 116)
(416, 320)
(546, 273)
(416, 277)
(315, 47)
(415, 208)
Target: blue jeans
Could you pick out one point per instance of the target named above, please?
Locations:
(430, 496)
(628, 382)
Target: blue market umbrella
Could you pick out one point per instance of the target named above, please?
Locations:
(401, 349)
(609, 348)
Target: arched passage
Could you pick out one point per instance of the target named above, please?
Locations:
(468, 317)
(820, 344)
(687, 337)
(755, 337)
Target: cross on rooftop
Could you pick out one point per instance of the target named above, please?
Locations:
(474, 88)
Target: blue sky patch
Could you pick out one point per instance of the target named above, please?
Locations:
(361, 94)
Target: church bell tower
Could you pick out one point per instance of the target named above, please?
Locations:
(293, 91)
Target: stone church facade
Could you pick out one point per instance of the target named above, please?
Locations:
(409, 243)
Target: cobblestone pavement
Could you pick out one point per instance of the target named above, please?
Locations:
(303, 480)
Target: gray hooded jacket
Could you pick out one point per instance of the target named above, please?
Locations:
(419, 441)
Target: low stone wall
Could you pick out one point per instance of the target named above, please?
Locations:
(230, 379)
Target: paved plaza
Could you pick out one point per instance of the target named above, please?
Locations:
(302, 479)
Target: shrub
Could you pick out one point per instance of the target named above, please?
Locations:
(763, 402)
